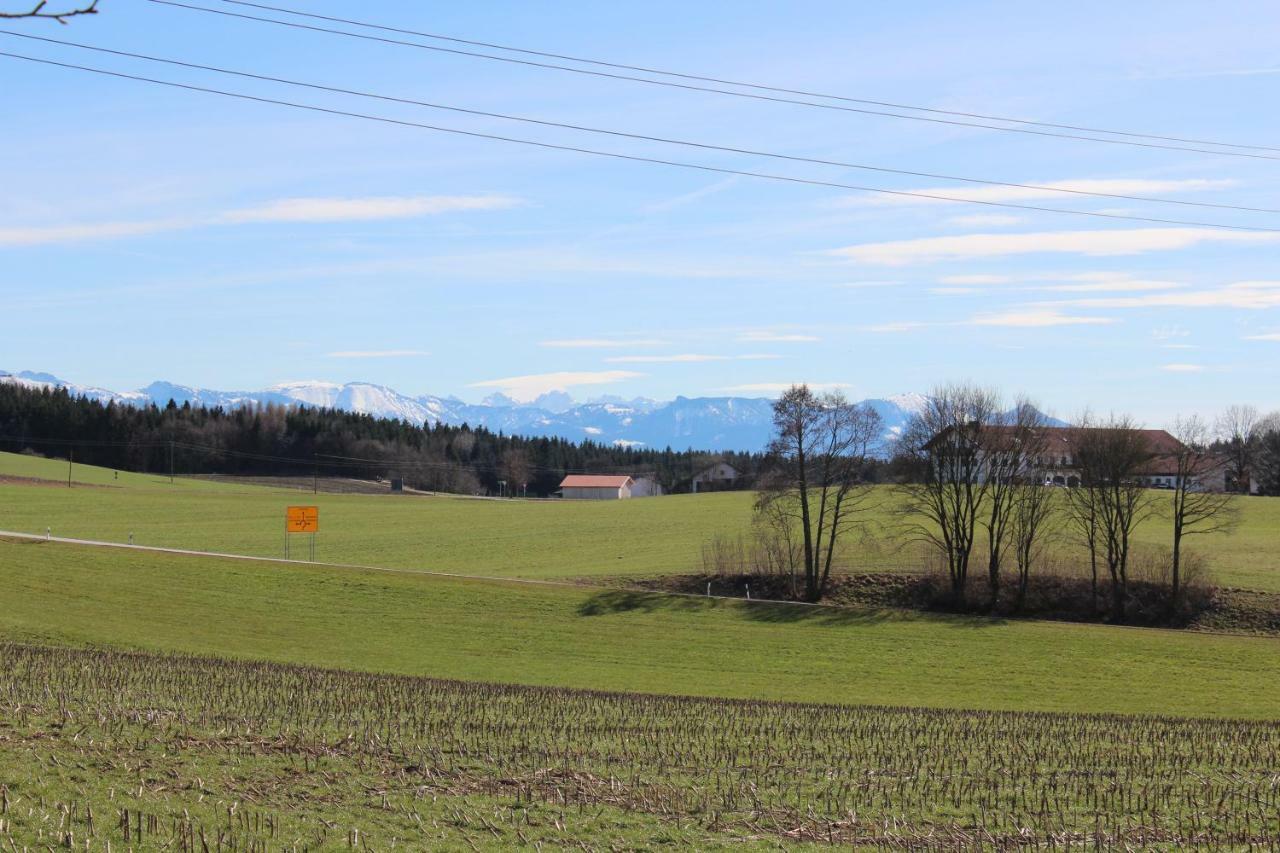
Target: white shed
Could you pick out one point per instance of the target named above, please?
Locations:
(596, 487)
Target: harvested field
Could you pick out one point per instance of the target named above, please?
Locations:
(151, 750)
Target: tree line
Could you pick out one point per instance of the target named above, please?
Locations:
(977, 488)
(275, 440)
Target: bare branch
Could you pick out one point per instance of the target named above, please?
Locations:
(39, 11)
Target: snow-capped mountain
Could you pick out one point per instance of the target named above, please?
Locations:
(708, 423)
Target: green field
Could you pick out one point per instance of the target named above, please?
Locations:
(540, 634)
(532, 539)
(935, 731)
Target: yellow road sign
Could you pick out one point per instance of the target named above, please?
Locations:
(302, 519)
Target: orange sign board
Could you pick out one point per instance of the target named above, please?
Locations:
(302, 519)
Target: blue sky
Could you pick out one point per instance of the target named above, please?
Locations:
(149, 233)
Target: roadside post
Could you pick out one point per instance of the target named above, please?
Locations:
(304, 520)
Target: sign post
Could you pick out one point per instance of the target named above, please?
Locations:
(301, 519)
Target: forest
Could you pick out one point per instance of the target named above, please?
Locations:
(273, 440)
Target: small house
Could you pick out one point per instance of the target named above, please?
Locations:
(719, 476)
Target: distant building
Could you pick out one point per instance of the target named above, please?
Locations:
(646, 486)
(1056, 459)
(718, 477)
(596, 487)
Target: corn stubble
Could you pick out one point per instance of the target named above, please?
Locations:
(144, 751)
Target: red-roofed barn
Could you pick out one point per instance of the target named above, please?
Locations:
(596, 487)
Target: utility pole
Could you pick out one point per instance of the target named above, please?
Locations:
(315, 474)
(171, 460)
(71, 455)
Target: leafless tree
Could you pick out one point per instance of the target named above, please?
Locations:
(816, 476)
(1010, 448)
(1239, 429)
(942, 508)
(1112, 457)
(1034, 516)
(1195, 507)
(61, 15)
(515, 469)
(779, 548)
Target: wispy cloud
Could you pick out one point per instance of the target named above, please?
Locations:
(1034, 318)
(1252, 295)
(1182, 368)
(687, 358)
(378, 353)
(984, 220)
(893, 328)
(690, 197)
(602, 343)
(779, 387)
(1266, 336)
(777, 337)
(88, 232)
(528, 387)
(1132, 241)
(296, 210)
(1072, 282)
(1050, 189)
(365, 209)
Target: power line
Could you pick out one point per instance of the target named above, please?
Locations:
(1134, 142)
(637, 136)
(758, 86)
(635, 157)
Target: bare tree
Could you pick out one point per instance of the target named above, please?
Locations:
(1195, 508)
(1112, 458)
(515, 469)
(1034, 516)
(1010, 448)
(942, 508)
(777, 540)
(1238, 429)
(817, 474)
(40, 11)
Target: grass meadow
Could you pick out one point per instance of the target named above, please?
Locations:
(528, 539)
(155, 701)
(572, 636)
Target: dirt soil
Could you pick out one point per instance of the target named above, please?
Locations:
(10, 480)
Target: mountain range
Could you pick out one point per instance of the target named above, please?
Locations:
(704, 423)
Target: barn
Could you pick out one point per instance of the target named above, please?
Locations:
(596, 487)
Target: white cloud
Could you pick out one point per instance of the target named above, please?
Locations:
(364, 209)
(984, 220)
(281, 210)
(1132, 241)
(41, 235)
(686, 358)
(1182, 368)
(975, 279)
(379, 353)
(1252, 295)
(601, 343)
(1048, 189)
(1269, 336)
(776, 337)
(892, 328)
(1066, 282)
(779, 387)
(1035, 318)
(529, 387)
